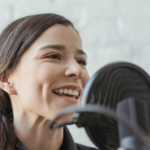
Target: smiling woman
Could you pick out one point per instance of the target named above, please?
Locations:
(42, 70)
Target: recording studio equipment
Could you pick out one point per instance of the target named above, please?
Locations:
(117, 91)
(136, 111)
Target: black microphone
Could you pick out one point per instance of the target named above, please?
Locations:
(136, 111)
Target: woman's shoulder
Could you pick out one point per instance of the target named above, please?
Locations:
(83, 147)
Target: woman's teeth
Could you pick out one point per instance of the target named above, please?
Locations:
(67, 91)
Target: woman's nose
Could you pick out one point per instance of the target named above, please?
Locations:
(74, 70)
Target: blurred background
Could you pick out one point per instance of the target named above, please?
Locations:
(111, 30)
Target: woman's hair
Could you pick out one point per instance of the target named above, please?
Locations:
(14, 40)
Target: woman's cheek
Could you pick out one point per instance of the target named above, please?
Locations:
(46, 79)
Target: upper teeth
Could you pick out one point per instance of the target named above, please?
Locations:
(68, 91)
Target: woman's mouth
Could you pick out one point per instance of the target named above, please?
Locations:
(68, 94)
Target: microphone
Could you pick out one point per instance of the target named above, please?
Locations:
(136, 111)
(108, 87)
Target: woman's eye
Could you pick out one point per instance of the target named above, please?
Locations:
(54, 56)
(82, 62)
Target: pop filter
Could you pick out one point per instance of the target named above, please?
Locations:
(109, 86)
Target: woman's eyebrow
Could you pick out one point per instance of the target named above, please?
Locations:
(62, 47)
(57, 47)
(81, 52)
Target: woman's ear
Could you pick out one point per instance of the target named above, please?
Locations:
(6, 85)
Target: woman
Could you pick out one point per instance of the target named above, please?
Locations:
(42, 70)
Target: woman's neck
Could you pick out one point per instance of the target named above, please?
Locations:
(35, 134)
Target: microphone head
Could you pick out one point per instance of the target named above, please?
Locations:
(110, 85)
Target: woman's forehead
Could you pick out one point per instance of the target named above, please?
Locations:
(59, 35)
(59, 31)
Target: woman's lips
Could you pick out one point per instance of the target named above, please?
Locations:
(70, 98)
(66, 95)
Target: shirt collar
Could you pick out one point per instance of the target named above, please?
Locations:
(68, 142)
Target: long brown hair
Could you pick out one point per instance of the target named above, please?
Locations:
(14, 40)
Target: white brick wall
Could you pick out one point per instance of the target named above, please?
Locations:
(111, 30)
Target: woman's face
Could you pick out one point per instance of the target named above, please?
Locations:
(51, 73)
